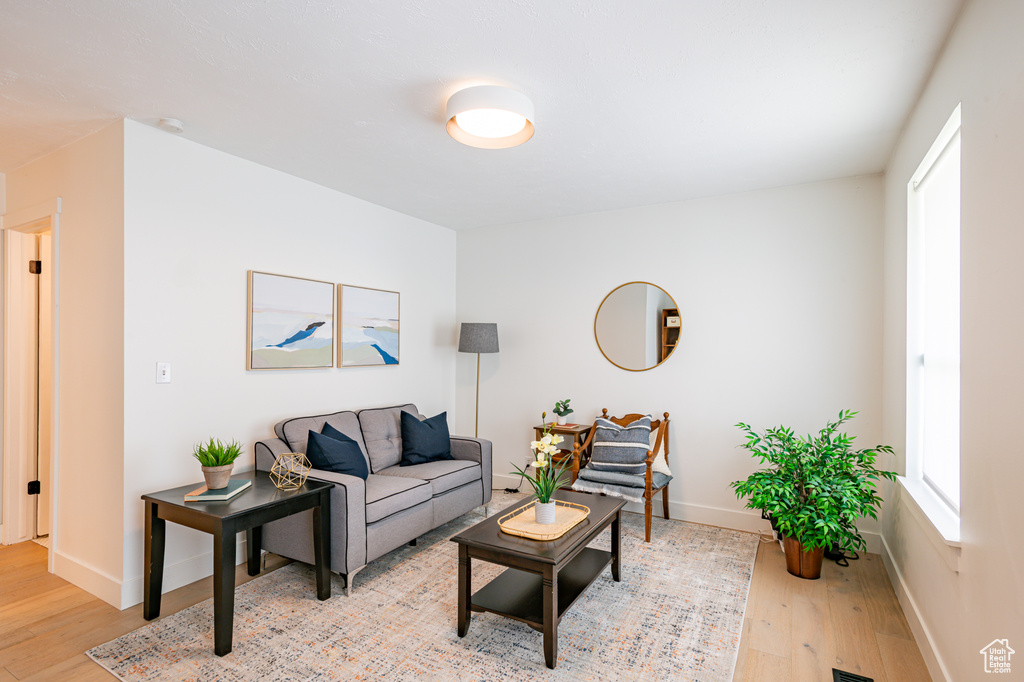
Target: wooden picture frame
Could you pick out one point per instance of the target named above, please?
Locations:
(290, 322)
(368, 326)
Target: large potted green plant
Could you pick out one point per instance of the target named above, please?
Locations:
(815, 487)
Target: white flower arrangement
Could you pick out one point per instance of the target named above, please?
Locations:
(547, 476)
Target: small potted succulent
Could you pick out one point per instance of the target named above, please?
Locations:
(218, 459)
(815, 487)
(563, 410)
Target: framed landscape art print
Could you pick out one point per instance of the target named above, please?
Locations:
(291, 322)
(368, 326)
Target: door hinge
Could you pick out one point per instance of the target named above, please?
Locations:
(35, 267)
(33, 488)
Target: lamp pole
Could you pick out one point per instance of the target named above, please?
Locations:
(478, 337)
(476, 411)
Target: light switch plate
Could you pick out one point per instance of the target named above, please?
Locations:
(163, 372)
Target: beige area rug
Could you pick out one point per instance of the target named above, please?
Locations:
(676, 615)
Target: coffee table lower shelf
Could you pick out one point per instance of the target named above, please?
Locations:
(542, 579)
(519, 594)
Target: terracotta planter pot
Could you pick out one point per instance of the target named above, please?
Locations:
(803, 564)
(217, 477)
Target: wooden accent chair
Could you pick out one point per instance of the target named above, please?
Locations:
(660, 449)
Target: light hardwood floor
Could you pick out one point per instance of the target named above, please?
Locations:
(794, 629)
(849, 619)
(47, 624)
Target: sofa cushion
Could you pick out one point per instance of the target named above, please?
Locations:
(425, 440)
(387, 495)
(382, 434)
(295, 431)
(334, 451)
(443, 475)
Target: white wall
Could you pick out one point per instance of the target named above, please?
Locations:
(780, 297)
(89, 176)
(195, 221)
(956, 614)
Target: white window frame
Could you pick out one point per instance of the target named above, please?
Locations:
(930, 499)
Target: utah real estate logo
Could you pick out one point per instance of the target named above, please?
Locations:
(997, 656)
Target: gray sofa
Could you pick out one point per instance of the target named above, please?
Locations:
(393, 506)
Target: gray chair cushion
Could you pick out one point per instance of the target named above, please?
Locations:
(295, 431)
(443, 475)
(658, 479)
(387, 495)
(382, 434)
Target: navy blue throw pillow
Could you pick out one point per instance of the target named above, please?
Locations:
(334, 451)
(425, 441)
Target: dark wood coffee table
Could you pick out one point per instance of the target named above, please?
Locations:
(544, 578)
(261, 503)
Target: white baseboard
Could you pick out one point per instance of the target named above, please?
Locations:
(178, 574)
(745, 520)
(873, 540)
(122, 595)
(88, 577)
(922, 634)
(502, 481)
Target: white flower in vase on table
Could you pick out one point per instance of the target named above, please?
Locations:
(547, 477)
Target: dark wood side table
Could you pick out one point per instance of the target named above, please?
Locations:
(259, 504)
(544, 578)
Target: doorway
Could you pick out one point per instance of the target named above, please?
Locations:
(27, 284)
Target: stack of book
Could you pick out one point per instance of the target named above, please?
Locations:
(204, 494)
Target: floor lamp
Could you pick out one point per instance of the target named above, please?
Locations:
(478, 337)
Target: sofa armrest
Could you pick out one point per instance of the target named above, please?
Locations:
(292, 536)
(475, 450)
(355, 490)
(267, 452)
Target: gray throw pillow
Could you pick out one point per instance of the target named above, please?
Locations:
(621, 448)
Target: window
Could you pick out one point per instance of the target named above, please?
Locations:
(933, 318)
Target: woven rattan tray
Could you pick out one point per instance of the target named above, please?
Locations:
(523, 523)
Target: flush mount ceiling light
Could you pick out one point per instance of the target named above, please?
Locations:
(490, 117)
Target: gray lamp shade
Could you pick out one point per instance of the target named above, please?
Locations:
(478, 337)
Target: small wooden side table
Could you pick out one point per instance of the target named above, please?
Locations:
(576, 432)
(248, 511)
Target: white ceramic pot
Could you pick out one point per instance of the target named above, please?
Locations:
(545, 512)
(217, 477)
(561, 421)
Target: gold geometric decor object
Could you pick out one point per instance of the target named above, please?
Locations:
(290, 470)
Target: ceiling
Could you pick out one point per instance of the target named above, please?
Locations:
(638, 101)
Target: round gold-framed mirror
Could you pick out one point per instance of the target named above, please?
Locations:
(637, 326)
